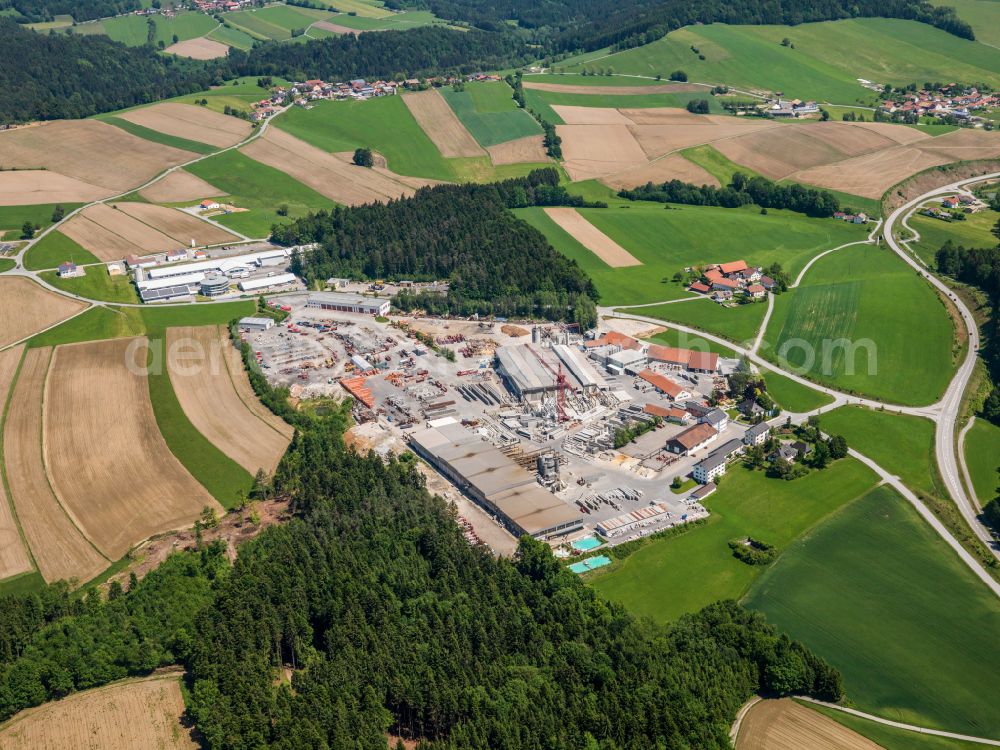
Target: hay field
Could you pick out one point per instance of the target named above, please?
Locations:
(142, 714)
(663, 88)
(191, 122)
(199, 48)
(573, 115)
(327, 174)
(441, 124)
(179, 186)
(592, 238)
(36, 187)
(593, 151)
(209, 396)
(871, 175)
(107, 459)
(91, 151)
(525, 150)
(336, 28)
(786, 725)
(60, 549)
(670, 167)
(14, 558)
(26, 308)
(176, 224)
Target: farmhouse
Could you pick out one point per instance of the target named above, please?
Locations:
(664, 385)
(756, 291)
(692, 439)
(352, 303)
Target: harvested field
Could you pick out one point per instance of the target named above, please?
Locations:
(27, 308)
(90, 151)
(786, 725)
(963, 145)
(441, 124)
(521, 151)
(138, 714)
(657, 139)
(897, 133)
(198, 48)
(326, 173)
(14, 558)
(663, 88)
(34, 187)
(871, 175)
(591, 151)
(670, 167)
(176, 224)
(572, 115)
(60, 549)
(209, 395)
(336, 28)
(100, 430)
(110, 233)
(179, 186)
(780, 153)
(191, 122)
(592, 238)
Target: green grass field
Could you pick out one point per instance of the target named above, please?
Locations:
(490, 114)
(55, 248)
(542, 101)
(792, 396)
(883, 50)
(359, 7)
(275, 21)
(866, 298)
(6, 264)
(239, 95)
(574, 79)
(157, 137)
(892, 738)
(12, 218)
(258, 187)
(982, 15)
(672, 576)
(880, 596)
(95, 285)
(900, 443)
(974, 231)
(682, 340)
(396, 22)
(739, 324)
(982, 456)
(667, 241)
(132, 30)
(233, 37)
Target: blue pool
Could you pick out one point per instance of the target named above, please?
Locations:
(590, 564)
(586, 544)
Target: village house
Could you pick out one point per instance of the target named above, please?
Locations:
(69, 270)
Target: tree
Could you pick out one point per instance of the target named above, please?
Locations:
(838, 447)
(208, 518)
(677, 483)
(820, 455)
(698, 106)
(58, 213)
(27, 230)
(175, 38)
(363, 157)
(786, 42)
(679, 75)
(282, 210)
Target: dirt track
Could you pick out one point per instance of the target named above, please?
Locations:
(179, 186)
(142, 714)
(34, 187)
(592, 238)
(786, 725)
(60, 550)
(26, 308)
(520, 151)
(191, 122)
(106, 457)
(441, 124)
(14, 557)
(199, 48)
(211, 400)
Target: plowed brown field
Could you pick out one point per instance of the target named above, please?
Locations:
(593, 151)
(786, 725)
(871, 175)
(27, 308)
(441, 124)
(111, 234)
(14, 558)
(33, 187)
(520, 151)
(178, 186)
(191, 122)
(198, 49)
(108, 462)
(179, 226)
(670, 167)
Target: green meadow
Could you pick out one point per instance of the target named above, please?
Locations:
(55, 248)
(397, 21)
(683, 340)
(973, 231)
(133, 30)
(882, 50)
(12, 218)
(881, 597)
(96, 284)
(793, 396)
(233, 37)
(259, 188)
(982, 15)
(982, 456)
(670, 577)
(490, 114)
(739, 323)
(669, 240)
(275, 22)
(359, 7)
(890, 737)
(853, 323)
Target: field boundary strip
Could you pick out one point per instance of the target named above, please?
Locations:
(8, 496)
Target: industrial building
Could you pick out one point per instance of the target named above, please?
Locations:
(352, 303)
(281, 279)
(495, 481)
(256, 324)
(214, 285)
(531, 370)
(692, 439)
(238, 266)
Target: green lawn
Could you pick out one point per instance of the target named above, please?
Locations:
(13, 217)
(880, 596)
(258, 187)
(792, 396)
(95, 285)
(214, 470)
(490, 114)
(739, 323)
(974, 231)
(667, 241)
(982, 455)
(239, 95)
(542, 101)
(853, 324)
(55, 248)
(672, 576)
(883, 50)
(682, 340)
(6, 264)
(899, 443)
(890, 737)
(157, 137)
(133, 30)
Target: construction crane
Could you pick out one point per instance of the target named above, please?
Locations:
(561, 385)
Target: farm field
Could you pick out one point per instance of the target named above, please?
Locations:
(260, 189)
(672, 576)
(739, 324)
(274, 22)
(867, 298)
(206, 388)
(178, 187)
(394, 22)
(155, 136)
(239, 95)
(792, 396)
(849, 591)
(667, 241)
(133, 30)
(95, 285)
(191, 122)
(129, 715)
(892, 738)
(900, 443)
(609, 251)
(364, 8)
(982, 15)
(59, 548)
(883, 50)
(200, 48)
(14, 557)
(82, 428)
(34, 187)
(547, 103)
(441, 124)
(982, 455)
(26, 308)
(786, 725)
(973, 232)
(490, 114)
(231, 37)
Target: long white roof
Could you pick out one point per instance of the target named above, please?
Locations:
(188, 278)
(215, 264)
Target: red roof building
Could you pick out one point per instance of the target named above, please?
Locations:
(663, 384)
(736, 265)
(700, 287)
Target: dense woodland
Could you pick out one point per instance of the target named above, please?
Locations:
(388, 621)
(741, 191)
(495, 263)
(34, 11)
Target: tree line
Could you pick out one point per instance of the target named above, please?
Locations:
(37, 11)
(494, 263)
(740, 191)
